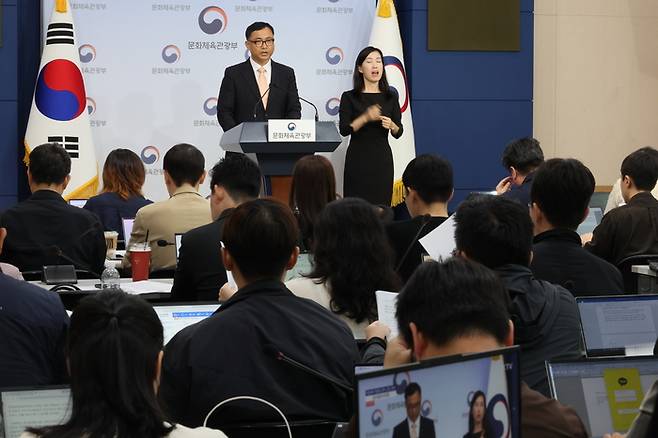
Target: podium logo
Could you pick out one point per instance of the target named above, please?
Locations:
(334, 55)
(150, 155)
(397, 79)
(87, 53)
(210, 106)
(170, 54)
(291, 126)
(213, 20)
(377, 417)
(332, 107)
(91, 106)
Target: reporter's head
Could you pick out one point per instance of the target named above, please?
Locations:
(260, 241)
(50, 166)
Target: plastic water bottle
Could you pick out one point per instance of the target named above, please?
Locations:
(110, 277)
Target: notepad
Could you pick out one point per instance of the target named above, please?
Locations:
(440, 242)
(386, 305)
(146, 287)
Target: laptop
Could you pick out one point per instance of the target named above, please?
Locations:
(447, 386)
(605, 392)
(592, 220)
(33, 407)
(127, 224)
(77, 202)
(303, 267)
(178, 239)
(619, 325)
(176, 316)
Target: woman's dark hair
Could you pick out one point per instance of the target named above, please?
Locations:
(313, 187)
(652, 430)
(113, 346)
(352, 255)
(485, 418)
(123, 173)
(357, 78)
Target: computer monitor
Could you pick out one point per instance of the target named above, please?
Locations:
(592, 220)
(447, 386)
(33, 407)
(605, 392)
(77, 202)
(176, 316)
(127, 223)
(178, 238)
(304, 266)
(618, 325)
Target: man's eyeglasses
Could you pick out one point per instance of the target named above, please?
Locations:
(260, 43)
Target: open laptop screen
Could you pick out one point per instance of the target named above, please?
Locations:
(178, 239)
(77, 202)
(33, 407)
(176, 316)
(618, 325)
(127, 228)
(592, 220)
(447, 387)
(606, 392)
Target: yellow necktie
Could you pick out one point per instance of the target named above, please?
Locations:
(262, 85)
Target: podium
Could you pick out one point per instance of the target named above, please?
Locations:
(277, 159)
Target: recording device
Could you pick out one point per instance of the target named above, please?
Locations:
(317, 114)
(163, 243)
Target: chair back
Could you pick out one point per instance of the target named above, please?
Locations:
(630, 278)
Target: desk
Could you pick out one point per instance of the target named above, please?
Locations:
(647, 280)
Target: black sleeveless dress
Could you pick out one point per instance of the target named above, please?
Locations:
(369, 161)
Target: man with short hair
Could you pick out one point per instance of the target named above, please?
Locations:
(414, 425)
(259, 88)
(560, 196)
(497, 232)
(460, 307)
(520, 158)
(200, 271)
(428, 184)
(631, 229)
(45, 229)
(237, 351)
(185, 209)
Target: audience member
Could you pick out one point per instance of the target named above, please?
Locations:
(520, 159)
(235, 352)
(185, 209)
(560, 195)
(33, 324)
(123, 178)
(351, 260)
(200, 271)
(645, 424)
(497, 232)
(313, 187)
(5, 268)
(460, 307)
(428, 185)
(114, 356)
(631, 229)
(45, 229)
(615, 199)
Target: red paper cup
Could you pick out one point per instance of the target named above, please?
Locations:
(140, 259)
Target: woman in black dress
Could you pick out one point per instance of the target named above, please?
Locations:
(478, 424)
(368, 113)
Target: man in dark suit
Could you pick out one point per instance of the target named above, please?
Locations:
(243, 84)
(200, 271)
(44, 227)
(520, 158)
(415, 425)
(560, 195)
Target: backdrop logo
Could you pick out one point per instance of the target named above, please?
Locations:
(400, 381)
(247, 54)
(377, 417)
(170, 54)
(332, 106)
(60, 92)
(87, 53)
(91, 106)
(396, 75)
(333, 1)
(291, 126)
(213, 20)
(150, 155)
(334, 55)
(499, 414)
(426, 408)
(210, 106)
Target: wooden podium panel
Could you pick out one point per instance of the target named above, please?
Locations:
(281, 187)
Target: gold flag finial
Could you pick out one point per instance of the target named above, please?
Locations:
(60, 5)
(384, 8)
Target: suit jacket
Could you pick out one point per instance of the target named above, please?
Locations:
(200, 271)
(239, 94)
(186, 209)
(521, 194)
(111, 208)
(426, 429)
(44, 222)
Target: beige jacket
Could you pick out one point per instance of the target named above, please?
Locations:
(186, 209)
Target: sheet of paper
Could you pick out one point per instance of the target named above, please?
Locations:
(440, 242)
(386, 304)
(146, 287)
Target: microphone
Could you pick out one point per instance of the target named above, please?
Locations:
(278, 355)
(317, 114)
(426, 220)
(260, 100)
(162, 243)
(57, 251)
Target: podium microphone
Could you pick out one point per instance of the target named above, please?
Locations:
(317, 114)
(426, 220)
(260, 100)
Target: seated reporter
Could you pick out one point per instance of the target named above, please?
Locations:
(114, 358)
(234, 351)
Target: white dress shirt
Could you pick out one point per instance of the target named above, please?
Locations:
(417, 423)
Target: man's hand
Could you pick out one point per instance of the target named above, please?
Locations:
(504, 185)
(226, 292)
(397, 353)
(377, 330)
(614, 435)
(586, 238)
